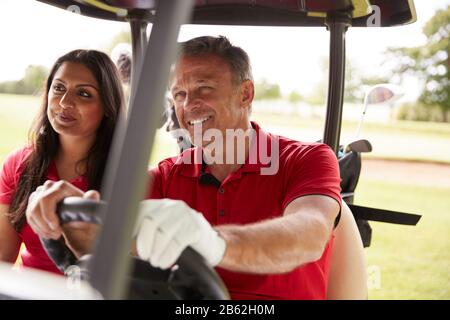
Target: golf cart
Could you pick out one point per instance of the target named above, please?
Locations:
(108, 272)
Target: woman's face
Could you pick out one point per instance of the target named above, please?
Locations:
(74, 106)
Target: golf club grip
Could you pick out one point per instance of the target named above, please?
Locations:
(73, 209)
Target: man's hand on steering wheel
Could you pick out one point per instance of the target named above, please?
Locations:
(166, 227)
(193, 279)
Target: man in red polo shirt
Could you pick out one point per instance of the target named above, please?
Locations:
(259, 207)
(273, 216)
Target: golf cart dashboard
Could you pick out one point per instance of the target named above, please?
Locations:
(307, 13)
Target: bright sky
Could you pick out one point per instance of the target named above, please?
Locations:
(36, 33)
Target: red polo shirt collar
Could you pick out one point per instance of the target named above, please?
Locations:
(194, 154)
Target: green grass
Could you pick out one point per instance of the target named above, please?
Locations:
(413, 261)
(16, 116)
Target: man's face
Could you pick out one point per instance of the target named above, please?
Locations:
(205, 94)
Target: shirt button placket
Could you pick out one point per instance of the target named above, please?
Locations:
(221, 205)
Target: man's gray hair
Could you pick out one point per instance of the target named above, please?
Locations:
(235, 56)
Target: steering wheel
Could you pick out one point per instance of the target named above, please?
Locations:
(190, 278)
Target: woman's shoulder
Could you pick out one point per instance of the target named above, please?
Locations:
(12, 169)
(15, 160)
(18, 156)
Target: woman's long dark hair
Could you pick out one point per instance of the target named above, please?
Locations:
(44, 139)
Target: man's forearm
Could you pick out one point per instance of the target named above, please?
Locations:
(274, 246)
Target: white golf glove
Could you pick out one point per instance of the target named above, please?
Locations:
(166, 227)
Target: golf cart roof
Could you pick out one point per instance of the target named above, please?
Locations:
(309, 13)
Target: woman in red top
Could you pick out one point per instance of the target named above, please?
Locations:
(70, 140)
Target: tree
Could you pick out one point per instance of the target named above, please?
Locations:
(430, 63)
(266, 90)
(31, 83)
(34, 78)
(354, 84)
(295, 97)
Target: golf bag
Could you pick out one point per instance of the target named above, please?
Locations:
(350, 168)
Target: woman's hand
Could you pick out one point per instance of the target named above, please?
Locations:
(42, 217)
(41, 210)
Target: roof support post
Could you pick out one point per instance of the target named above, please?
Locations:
(337, 23)
(126, 178)
(139, 43)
